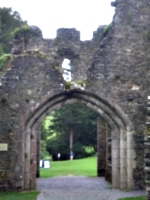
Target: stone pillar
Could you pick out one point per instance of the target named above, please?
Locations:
(123, 157)
(31, 166)
(33, 159)
(38, 135)
(115, 144)
(21, 160)
(108, 171)
(131, 162)
(27, 157)
(147, 151)
(101, 147)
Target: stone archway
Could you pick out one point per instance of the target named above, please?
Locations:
(122, 136)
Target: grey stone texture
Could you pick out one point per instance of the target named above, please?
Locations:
(110, 75)
(102, 145)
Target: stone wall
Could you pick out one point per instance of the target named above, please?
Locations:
(120, 67)
(102, 146)
(108, 171)
(110, 75)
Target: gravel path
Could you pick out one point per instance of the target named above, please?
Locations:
(79, 188)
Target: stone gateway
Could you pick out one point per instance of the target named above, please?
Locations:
(109, 74)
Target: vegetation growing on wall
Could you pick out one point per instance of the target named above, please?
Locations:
(106, 29)
(81, 83)
(9, 20)
(25, 28)
(3, 59)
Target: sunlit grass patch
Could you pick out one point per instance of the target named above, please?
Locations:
(19, 195)
(79, 167)
(133, 198)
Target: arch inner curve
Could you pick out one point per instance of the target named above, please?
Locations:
(121, 134)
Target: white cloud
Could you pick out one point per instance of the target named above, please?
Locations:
(49, 15)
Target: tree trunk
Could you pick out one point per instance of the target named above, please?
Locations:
(71, 139)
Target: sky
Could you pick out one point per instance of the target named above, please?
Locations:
(49, 15)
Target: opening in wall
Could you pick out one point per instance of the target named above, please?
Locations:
(67, 70)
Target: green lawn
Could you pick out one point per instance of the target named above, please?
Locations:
(133, 198)
(81, 167)
(19, 195)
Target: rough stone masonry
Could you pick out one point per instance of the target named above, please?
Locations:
(110, 74)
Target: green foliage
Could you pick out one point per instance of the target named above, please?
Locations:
(15, 32)
(68, 85)
(1, 50)
(133, 198)
(83, 123)
(57, 145)
(3, 58)
(56, 68)
(89, 150)
(81, 167)
(9, 20)
(43, 151)
(82, 83)
(25, 28)
(106, 29)
(19, 195)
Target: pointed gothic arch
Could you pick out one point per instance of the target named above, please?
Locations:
(122, 135)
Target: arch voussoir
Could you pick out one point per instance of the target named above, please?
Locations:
(115, 122)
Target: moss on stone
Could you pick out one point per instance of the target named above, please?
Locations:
(35, 52)
(147, 131)
(3, 59)
(3, 100)
(106, 29)
(4, 176)
(68, 85)
(24, 28)
(82, 83)
(56, 68)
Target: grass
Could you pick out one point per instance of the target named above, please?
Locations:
(80, 167)
(133, 198)
(19, 195)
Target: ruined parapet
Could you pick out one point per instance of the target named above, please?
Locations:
(67, 42)
(68, 34)
(26, 38)
(100, 33)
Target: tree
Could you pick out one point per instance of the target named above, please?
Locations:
(9, 20)
(43, 151)
(73, 127)
(44, 136)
